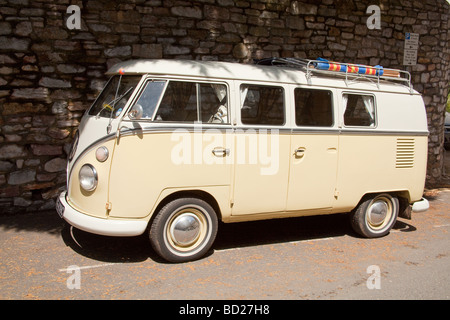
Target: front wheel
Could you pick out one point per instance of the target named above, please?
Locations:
(184, 230)
(375, 216)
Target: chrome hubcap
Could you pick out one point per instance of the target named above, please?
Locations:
(377, 213)
(185, 229)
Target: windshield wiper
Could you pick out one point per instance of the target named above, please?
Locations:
(108, 105)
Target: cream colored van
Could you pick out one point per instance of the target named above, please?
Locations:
(170, 148)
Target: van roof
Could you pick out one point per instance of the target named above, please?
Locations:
(249, 72)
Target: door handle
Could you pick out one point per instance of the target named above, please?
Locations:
(221, 152)
(299, 152)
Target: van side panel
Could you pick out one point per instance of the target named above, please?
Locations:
(390, 157)
(374, 164)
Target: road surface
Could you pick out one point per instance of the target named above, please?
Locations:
(287, 259)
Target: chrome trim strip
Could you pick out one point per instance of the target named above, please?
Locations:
(227, 129)
(280, 130)
(316, 131)
(384, 133)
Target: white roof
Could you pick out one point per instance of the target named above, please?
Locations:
(246, 72)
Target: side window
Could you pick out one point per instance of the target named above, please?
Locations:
(262, 105)
(179, 103)
(213, 103)
(359, 110)
(191, 102)
(150, 97)
(313, 107)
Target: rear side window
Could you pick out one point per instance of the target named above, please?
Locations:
(359, 110)
(313, 107)
(194, 102)
(262, 105)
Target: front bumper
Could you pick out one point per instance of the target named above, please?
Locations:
(106, 227)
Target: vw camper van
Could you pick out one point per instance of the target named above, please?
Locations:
(171, 147)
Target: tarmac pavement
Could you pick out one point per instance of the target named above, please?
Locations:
(317, 258)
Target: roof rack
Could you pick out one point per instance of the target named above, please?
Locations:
(350, 71)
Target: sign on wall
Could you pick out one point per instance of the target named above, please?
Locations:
(410, 49)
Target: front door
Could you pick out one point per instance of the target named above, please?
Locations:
(179, 143)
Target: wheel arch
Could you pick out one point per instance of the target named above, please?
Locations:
(403, 196)
(193, 193)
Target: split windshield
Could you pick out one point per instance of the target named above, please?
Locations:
(112, 99)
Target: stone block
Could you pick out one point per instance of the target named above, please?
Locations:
(55, 165)
(21, 177)
(59, 134)
(122, 51)
(14, 44)
(6, 166)
(301, 8)
(46, 150)
(240, 51)
(5, 28)
(148, 51)
(189, 12)
(10, 151)
(54, 83)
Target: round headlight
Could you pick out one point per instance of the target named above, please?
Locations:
(102, 154)
(88, 177)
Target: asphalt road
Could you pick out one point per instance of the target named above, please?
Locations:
(290, 259)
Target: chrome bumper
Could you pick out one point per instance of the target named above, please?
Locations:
(421, 205)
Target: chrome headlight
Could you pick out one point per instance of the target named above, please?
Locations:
(88, 177)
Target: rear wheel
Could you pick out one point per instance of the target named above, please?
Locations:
(375, 216)
(184, 230)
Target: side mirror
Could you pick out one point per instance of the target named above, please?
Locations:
(136, 112)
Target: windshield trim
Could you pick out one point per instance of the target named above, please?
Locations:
(137, 86)
(138, 93)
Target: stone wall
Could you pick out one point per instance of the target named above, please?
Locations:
(49, 74)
